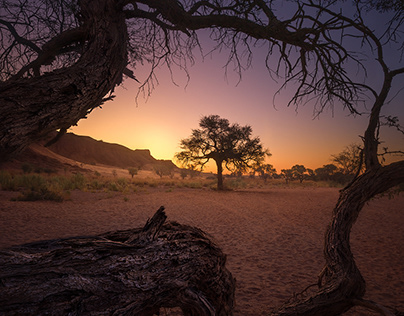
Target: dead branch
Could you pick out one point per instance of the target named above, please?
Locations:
(131, 272)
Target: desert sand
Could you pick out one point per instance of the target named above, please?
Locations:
(273, 238)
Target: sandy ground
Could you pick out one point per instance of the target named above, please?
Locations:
(273, 238)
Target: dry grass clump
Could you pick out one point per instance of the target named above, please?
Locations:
(56, 187)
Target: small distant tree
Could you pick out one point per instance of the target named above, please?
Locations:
(231, 145)
(326, 172)
(133, 171)
(183, 173)
(159, 171)
(287, 174)
(349, 161)
(163, 170)
(310, 173)
(265, 171)
(299, 172)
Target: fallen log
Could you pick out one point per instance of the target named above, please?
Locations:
(129, 272)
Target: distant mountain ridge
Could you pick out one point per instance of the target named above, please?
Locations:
(90, 151)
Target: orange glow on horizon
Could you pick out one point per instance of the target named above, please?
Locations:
(158, 124)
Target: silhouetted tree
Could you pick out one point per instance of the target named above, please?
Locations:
(61, 60)
(310, 173)
(326, 172)
(287, 174)
(265, 171)
(299, 172)
(132, 171)
(349, 161)
(226, 144)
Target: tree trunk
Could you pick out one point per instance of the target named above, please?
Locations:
(131, 272)
(219, 165)
(341, 282)
(33, 107)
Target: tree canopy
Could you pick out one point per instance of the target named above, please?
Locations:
(225, 143)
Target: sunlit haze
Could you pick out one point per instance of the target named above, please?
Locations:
(159, 122)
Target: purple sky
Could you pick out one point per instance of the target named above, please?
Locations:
(168, 115)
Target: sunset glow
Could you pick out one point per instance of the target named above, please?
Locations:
(292, 135)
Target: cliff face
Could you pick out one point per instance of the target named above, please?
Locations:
(88, 150)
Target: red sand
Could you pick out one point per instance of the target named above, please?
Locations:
(273, 238)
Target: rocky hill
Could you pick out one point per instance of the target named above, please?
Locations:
(82, 153)
(90, 151)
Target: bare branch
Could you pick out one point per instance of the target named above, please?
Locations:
(18, 38)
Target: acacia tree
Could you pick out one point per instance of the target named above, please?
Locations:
(349, 161)
(265, 171)
(226, 144)
(298, 172)
(287, 174)
(325, 172)
(133, 171)
(61, 59)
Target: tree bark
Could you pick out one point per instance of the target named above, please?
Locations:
(131, 272)
(33, 107)
(341, 283)
(219, 165)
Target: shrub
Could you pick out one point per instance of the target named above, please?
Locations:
(112, 186)
(7, 182)
(122, 182)
(36, 187)
(153, 184)
(77, 181)
(43, 194)
(95, 185)
(236, 183)
(193, 185)
(32, 182)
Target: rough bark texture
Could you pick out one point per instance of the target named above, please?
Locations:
(341, 284)
(33, 107)
(131, 272)
(219, 174)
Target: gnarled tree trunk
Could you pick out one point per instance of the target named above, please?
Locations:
(131, 272)
(341, 284)
(31, 108)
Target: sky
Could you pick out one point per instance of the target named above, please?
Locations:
(293, 136)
